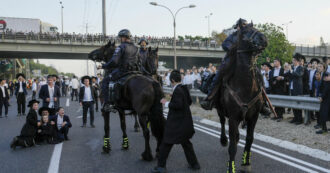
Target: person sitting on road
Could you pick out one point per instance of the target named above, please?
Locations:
(62, 123)
(47, 130)
(179, 128)
(28, 132)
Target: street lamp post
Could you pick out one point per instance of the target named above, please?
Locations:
(208, 25)
(62, 15)
(174, 25)
(287, 29)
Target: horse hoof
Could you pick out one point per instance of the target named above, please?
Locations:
(245, 169)
(147, 156)
(224, 141)
(105, 150)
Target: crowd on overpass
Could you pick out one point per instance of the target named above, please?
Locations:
(311, 81)
(100, 38)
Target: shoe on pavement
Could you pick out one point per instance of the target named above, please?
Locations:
(292, 121)
(195, 166)
(317, 126)
(92, 126)
(158, 170)
(84, 125)
(298, 122)
(206, 104)
(321, 132)
(279, 119)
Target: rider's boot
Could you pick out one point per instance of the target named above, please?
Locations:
(207, 103)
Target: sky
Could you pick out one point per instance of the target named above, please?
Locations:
(310, 19)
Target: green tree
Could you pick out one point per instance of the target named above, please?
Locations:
(278, 45)
(219, 37)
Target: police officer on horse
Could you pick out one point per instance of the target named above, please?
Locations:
(125, 59)
(216, 84)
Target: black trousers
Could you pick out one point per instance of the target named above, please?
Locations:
(187, 148)
(63, 132)
(74, 93)
(34, 94)
(4, 102)
(86, 106)
(96, 104)
(279, 111)
(21, 103)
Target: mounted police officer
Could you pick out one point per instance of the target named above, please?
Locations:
(216, 82)
(124, 60)
(143, 53)
(227, 45)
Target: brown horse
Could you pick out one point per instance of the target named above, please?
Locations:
(241, 96)
(141, 95)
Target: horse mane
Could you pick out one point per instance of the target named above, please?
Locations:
(230, 67)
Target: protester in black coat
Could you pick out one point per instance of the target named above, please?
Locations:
(47, 130)
(325, 106)
(179, 126)
(48, 100)
(29, 130)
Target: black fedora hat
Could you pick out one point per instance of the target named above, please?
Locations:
(85, 77)
(32, 102)
(267, 64)
(20, 74)
(43, 109)
(314, 59)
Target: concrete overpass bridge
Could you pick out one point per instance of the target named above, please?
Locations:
(41, 47)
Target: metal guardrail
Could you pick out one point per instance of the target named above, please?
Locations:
(295, 102)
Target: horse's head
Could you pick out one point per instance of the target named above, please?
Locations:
(251, 40)
(153, 57)
(104, 53)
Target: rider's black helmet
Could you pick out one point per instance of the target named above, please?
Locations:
(239, 22)
(143, 39)
(125, 33)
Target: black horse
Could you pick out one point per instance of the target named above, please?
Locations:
(141, 95)
(241, 96)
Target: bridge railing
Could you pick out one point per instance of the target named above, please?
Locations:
(294, 102)
(100, 39)
(313, 50)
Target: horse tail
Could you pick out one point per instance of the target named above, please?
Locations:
(156, 118)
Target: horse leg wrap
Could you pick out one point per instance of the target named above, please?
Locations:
(106, 144)
(231, 167)
(246, 160)
(125, 144)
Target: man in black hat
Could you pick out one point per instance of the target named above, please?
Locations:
(296, 85)
(267, 69)
(4, 97)
(97, 89)
(277, 86)
(50, 94)
(86, 100)
(179, 127)
(125, 59)
(326, 60)
(20, 93)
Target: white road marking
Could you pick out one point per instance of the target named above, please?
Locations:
(315, 153)
(55, 159)
(67, 102)
(264, 154)
(269, 151)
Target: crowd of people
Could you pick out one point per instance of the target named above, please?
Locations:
(99, 37)
(52, 125)
(299, 78)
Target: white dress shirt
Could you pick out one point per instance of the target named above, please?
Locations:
(277, 71)
(311, 76)
(266, 79)
(291, 85)
(75, 83)
(88, 94)
(59, 122)
(3, 91)
(328, 70)
(51, 96)
(20, 90)
(166, 104)
(34, 86)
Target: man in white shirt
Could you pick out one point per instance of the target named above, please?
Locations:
(87, 100)
(20, 93)
(34, 89)
(267, 68)
(4, 97)
(75, 86)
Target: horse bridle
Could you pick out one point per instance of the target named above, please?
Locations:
(250, 39)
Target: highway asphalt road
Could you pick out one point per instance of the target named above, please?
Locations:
(82, 153)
